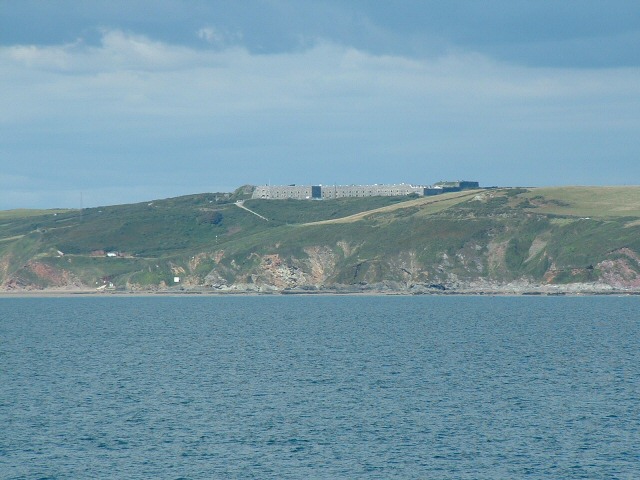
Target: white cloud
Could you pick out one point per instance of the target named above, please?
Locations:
(130, 63)
(218, 37)
(118, 51)
(133, 97)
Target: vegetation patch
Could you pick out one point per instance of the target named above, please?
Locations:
(497, 235)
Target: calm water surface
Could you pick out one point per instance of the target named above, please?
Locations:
(320, 387)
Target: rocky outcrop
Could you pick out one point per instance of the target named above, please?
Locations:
(320, 271)
(37, 275)
(498, 241)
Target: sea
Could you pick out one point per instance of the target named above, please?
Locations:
(320, 387)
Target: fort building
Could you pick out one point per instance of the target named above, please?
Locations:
(325, 192)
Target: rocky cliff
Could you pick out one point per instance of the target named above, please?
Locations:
(536, 241)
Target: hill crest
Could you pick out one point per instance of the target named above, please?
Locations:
(511, 240)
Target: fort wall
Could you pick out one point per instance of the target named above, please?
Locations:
(319, 192)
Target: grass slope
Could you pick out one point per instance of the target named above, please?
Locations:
(597, 202)
(499, 234)
(558, 234)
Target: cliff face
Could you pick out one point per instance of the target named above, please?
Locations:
(320, 270)
(496, 241)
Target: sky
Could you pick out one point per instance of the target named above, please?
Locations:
(121, 101)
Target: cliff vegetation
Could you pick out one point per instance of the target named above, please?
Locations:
(511, 240)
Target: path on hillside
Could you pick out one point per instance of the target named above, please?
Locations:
(454, 198)
(239, 203)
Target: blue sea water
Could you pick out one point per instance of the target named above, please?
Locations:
(320, 387)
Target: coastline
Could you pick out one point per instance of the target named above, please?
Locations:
(54, 293)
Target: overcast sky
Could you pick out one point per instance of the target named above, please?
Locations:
(123, 101)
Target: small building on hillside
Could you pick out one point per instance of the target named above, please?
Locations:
(448, 187)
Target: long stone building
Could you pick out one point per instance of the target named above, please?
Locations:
(320, 192)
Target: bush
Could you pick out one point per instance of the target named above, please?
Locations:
(211, 218)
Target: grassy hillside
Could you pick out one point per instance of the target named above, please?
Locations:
(25, 213)
(498, 235)
(598, 202)
(546, 236)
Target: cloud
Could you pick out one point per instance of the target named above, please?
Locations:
(209, 34)
(570, 33)
(219, 37)
(117, 51)
(131, 105)
(134, 67)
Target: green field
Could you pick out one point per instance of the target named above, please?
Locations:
(597, 202)
(542, 234)
(25, 213)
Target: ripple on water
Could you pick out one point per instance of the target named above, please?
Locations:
(320, 387)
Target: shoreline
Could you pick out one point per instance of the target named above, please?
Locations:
(327, 293)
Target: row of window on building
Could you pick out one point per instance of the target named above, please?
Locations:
(319, 192)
